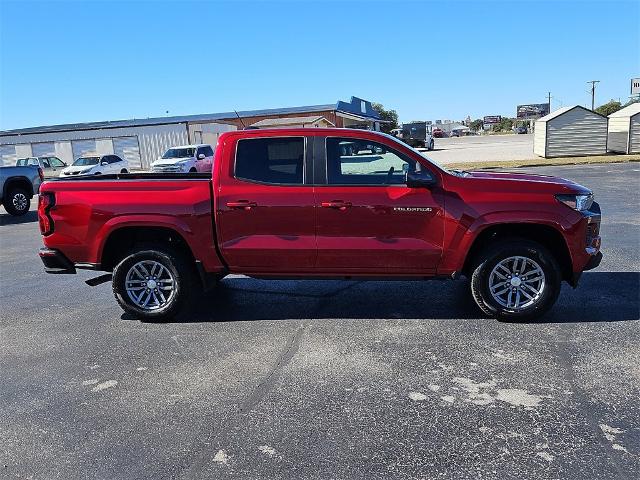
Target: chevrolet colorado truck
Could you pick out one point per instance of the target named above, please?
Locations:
(298, 203)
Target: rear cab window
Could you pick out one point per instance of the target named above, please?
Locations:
(272, 160)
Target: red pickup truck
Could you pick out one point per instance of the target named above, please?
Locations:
(322, 203)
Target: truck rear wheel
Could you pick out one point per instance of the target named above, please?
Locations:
(516, 280)
(153, 283)
(17, 202)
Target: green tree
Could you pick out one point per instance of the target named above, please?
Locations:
(476, 125)
(609, 108)
(505, 125)
(389, 115)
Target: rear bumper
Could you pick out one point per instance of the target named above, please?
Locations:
(55, 262)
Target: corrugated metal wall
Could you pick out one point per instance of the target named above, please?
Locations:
(128, 149)
(618, 134)
(153, 140)
(634, 135)
(8, 155)
(44, 149)
(83, 147)
(576, 132)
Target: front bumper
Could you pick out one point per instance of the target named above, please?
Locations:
(55, 262)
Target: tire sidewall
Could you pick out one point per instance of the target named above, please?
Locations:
(171, 262)
(535, 252)
(8, 202)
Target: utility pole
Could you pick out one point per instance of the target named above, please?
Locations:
(549, 100)
(593, 92)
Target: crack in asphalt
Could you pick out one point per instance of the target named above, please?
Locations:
(200, 456)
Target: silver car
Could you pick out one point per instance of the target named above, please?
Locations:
(51, 166)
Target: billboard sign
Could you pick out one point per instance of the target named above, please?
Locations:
(489, 120)
(635, 86)
(532, 110)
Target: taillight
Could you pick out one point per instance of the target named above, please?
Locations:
(41, 174)
(46, 201)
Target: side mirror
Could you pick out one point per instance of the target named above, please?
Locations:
(104, 164)
(201, 156)
(420, 179)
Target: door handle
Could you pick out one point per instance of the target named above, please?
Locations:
(338, 204)
(243, 204)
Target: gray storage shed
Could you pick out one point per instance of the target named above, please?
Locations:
(570, 131)
(624, 130)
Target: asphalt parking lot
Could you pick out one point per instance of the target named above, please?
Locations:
(325, 379)
(489, 148)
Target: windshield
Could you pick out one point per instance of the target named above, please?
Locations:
(179, 153)
(86, 161)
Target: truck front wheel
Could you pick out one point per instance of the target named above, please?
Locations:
(153, 283)
(516, 280)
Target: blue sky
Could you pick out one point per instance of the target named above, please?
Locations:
(82, 61)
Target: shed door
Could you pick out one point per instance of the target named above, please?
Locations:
(128, 149)
(83, 147)
(45, 149)
(634, 134)
(8, 154)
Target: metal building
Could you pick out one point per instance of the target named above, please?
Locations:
(138, 141)
(624, 130)
(570, 131)
(143, 141)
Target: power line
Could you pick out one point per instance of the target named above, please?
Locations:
(593, 92)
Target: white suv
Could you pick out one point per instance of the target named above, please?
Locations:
(185, 159)
(94, 164)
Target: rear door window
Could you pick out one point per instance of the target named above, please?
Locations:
(276, 160)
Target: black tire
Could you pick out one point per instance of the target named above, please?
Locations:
(17, 202)
(181, 269)
(431, 145)
(501, 250)
(193, 170)
(124, 170)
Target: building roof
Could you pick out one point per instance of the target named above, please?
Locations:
(562, 111)
(273, 122)
(357, 106)
(628, 111)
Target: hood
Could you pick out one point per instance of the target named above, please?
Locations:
(524, 180)
(78, 168)
(170, 161)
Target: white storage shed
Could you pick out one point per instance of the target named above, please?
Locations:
(570, 131)
(624, 130)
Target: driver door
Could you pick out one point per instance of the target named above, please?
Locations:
(369, 221)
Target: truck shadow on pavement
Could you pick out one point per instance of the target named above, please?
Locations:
(6, 219)
(601, 297)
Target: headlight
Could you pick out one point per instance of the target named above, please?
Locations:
(86, 170)
(577, 202)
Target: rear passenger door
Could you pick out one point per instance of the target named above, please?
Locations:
(265, 207)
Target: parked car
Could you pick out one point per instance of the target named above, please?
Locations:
(185, 159)
(18, 185)
(415, 134)
(51, 166)
(521, 130)
(94, 164)
(288, 203)
(438, 133)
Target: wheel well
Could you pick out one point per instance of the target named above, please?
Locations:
(121, 241)
(19, 182)
(543, 234)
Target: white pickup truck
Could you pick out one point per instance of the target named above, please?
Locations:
(185, 159)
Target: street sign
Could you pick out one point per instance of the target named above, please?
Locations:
(635, 86)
